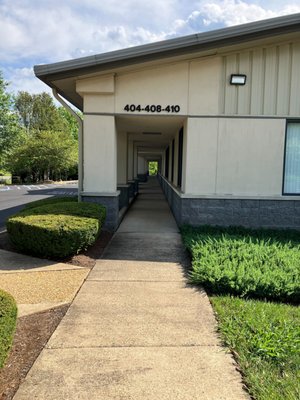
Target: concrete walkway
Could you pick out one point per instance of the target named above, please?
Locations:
(136, 329)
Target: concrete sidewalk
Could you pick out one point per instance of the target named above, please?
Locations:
(136, 329)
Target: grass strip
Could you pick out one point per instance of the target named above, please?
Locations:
(265, 337)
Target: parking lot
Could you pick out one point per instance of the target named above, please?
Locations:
(14, 197)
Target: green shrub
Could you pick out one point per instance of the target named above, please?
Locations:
(56, 230)
(262, 264)
(8, 317)
(50, 200)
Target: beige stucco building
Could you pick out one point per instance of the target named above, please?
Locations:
(219, 111)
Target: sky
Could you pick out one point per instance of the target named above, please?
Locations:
(46, 31)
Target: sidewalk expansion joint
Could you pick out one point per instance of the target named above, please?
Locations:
(135, 346)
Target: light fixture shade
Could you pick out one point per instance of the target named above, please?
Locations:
(238, 79)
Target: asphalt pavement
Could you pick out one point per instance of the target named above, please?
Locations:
(14, 197)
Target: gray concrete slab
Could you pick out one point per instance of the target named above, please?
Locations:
(128, 270)
(27, 309)
(149, 213)
(164, 247)
(166, 373)
(11, 262)
(137, 314)
(136, 329)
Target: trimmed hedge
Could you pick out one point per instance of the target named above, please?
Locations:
(8, 318)
(50, 200)
(56, 229)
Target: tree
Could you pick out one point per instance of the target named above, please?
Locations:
(38, 112)
(153, 168)
(70, 120)
(24, 103)
(11, 134)
(45, 155)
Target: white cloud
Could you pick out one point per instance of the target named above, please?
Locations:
(39, 31)
(23, 79)
(231, 12)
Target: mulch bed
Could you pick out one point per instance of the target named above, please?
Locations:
(33, 331)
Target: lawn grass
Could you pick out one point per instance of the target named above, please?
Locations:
(265, 337)
(237, 264)
(8, 317)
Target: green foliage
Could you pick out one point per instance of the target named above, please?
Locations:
(56, 229)
(262, 264)
(8, 317)
(153, 168)
(266, 339)
(51, 200)
(11, 134)
(44, 153)
(70, 121)
(49, 150)
(38, 112)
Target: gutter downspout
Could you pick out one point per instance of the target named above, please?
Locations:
(80, 140)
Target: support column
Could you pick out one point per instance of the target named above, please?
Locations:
(130, 160)
(121, 158)
(135, 161)
(170, 162)
(100, 166)
(142, 176)
(175, 179)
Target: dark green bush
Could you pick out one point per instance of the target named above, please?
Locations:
(247, 263)
(8, 317)
(56, 230)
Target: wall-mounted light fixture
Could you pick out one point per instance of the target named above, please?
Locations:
(237, 79)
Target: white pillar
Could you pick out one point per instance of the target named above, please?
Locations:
(100, 154)
(130, 160)
(140, 165)
(184, 157)
(122, 158)
(175, 178)
(135, 161)
(170, 162)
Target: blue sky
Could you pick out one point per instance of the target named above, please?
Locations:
(45, 31)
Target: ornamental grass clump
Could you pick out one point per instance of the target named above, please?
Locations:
(56, 229)
(261, 264)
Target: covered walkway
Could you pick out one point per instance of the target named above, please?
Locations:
(136, 329)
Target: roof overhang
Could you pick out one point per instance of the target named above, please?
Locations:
(56, 74)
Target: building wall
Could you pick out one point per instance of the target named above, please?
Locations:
(234, 136)
(201, 86)
(229, 156)
(273, 81)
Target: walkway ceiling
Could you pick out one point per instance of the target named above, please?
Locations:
(151, 134)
